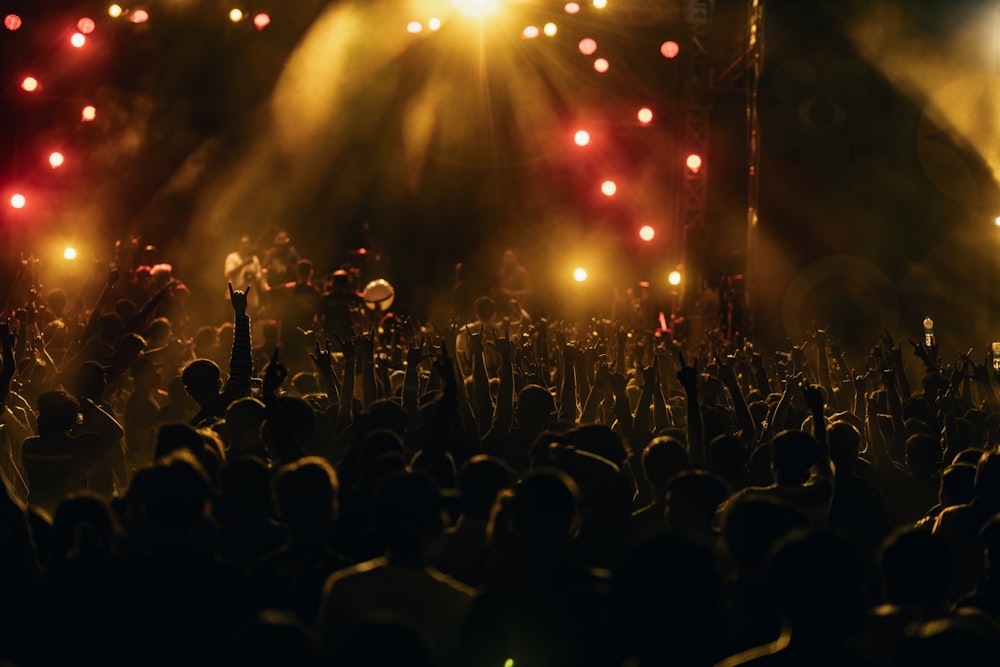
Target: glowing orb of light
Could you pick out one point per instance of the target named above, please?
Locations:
(86, 25)
(88, 113)
(434, 23)
(18, 200)
(30, 84)
(674, 278)
(579, 274)
(414, 27)
(581, 138)
(139, 16)
(69, 253)
(530, 32)
(12, 22)
(56, 159)
(550, 29)
(693, 162)
(645, 115)
(261, 21)
(572, 8)
(600, 4)
(602, 65)
(646, 233)
(609, 188)
(670, 49)
(78, 39)
(114, 11)
(235, 15)
(587, 46)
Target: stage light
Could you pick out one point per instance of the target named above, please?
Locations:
(78, 39)
(56, 159)
(88, 113)
(434, 24)
(587, 46)
(670, 49)
(645, 115)
(114, 11)
(12, 22)
(476, 8)
(674, 278)
(579, 274)
(414, 27)
(609, 188)
(235, 15)
(550, 29)
(693, 162)
(30, 84)
(602, 65)
(261, 21)
(581, 138)
(86, 25)
(600, 4)
(18, 200)
(529, 32)
(646, 233)
(572, 8)
(139, 16)
(69, 253)
(996, 221)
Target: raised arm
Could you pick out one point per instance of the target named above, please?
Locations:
(688, 378)
(241, 357)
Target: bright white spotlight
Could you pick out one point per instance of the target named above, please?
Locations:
(478, 8)
(674, 278)
(579, 274)
(69, 253)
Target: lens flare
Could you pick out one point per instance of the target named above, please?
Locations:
(670, 49)
(69, 253)
(609, 188)
(645, 115)
(78, 39)
(56, 159)
(235, 15)
(18, 200)
(86, 25)
(29, 84)
(581, 138)
(693, 163)
(12, 22)
(114, 11)
(88, 113)
(602, 65)
(646, 233)
(579, 274)
(587, 46)
(674, 278)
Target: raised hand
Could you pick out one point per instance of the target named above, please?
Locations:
(503, 347)
(321, 357)
(348, 347)
(813, 396)
(687, 375)
(475, 341)
(274, 373)
(651, 374)
(239, 299)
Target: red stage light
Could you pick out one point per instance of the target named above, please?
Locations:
(12, 21)
(693, 162)
(78, 39)
(86, 25)
(581, 138)
(56, 159)
(609, 188)
(139, 16)
(88, 114)
(18, 200)
(645, 115)
(29, 84)
(646, 233)
(587, 46)
(261, 21)
(670, 49)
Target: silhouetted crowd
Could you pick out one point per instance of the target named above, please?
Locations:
(308, 480)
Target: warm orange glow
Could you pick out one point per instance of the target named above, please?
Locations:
(600, 4)
(550, 29)
(609, 188)
(86, 25)
(78, 39)
(261, 21)
(587, 46)
(235, 15)
(114, 11)
(602, 65)
(674, 278)
(434, 24)
(579, 274)
(581, 138)
(645, 115)
(414, 27)
(29, 84)
(530, 32)
(670, 49)
(88, 113)
(12, 21)
(56, 159)
(18, 201)
(693, 162)
(572, 8)
(646, 233)
(139, 16)
(69, 253)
